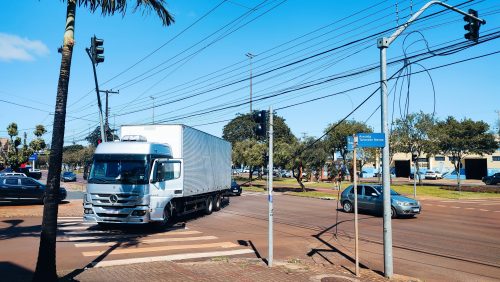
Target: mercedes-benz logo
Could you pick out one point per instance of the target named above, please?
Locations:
(113, 199)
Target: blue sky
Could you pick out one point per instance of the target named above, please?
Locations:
(204, 57)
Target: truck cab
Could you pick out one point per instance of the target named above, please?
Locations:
(131, 182)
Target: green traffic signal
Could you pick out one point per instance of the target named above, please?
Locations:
(97, 50)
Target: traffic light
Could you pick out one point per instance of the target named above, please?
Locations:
(260, 118)
(99, 141)
(472, 26)
(97, 50)
(414, 156)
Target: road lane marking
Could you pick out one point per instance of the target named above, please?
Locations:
(172, 257)
(159, 249)
(113, 236)
(484, 210)
(441, 206)
(455, 207)
(69, 228)
(148, 241)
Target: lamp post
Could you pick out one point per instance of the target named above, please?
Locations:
(250, 56)
(153, 98)
(383, 44)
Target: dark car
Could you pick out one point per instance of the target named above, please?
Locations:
(370, 199)
(17, 188)
(235, 189)
(31, 172)
(68, 176)
(492, 179)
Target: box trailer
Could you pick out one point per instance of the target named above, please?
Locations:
(156, 172)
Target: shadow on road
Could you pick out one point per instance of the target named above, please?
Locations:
(14, 272)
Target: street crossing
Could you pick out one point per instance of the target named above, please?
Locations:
(121, 246)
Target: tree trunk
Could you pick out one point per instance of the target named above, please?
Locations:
(298, 177)
(46, 263)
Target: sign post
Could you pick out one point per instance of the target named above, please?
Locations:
(361, 140)
(356, 230)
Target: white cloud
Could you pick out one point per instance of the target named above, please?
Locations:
(13, 47)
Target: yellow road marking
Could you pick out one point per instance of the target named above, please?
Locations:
(162, 248)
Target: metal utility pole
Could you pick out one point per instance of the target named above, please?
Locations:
(270, 189)
(383, 44)
(250, 56)
(106, 120)
(153, 98)
(356, 230)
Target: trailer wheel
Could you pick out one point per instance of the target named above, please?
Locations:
(209, 206)
(217, 202)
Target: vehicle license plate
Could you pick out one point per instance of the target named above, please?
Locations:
(416, 210)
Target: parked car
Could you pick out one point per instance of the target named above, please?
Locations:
(235, 189)
(430, 174)
(5, 174)
(370, 199)
(420, 175)
(31, 172)
(22, 188)
(492, 179)
(68, 176)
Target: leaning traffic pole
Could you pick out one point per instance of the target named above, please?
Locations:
(270, 188)
(383, 44)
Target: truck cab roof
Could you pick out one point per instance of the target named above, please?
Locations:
(140, 148)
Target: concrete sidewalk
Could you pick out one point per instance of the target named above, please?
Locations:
(223, 269)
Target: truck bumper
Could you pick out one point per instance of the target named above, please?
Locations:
(131, 215)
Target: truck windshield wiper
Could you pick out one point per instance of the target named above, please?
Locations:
(101, 180)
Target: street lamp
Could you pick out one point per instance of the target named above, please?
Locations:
(383, 44)
(250, 56)
(153, 98)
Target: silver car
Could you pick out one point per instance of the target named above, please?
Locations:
(370, 199)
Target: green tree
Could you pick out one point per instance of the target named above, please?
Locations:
(95, 135)
(242, 128)
(411, 135)
(461, 138)
(17, 156)
(38, 143)
(336, 139)
(46, 263)
(251, 153)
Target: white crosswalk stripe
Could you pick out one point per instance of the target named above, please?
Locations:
(121, 247)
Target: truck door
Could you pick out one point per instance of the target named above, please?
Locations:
(166, 183)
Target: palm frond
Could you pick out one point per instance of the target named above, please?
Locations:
(110, 7)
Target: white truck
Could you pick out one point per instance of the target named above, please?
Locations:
(156, 172)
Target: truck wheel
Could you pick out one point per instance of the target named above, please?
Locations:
(217, 202)
(167, 217)
(209, 205)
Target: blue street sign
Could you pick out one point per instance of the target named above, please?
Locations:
(33, 157)
(371, 140)
(350, 143)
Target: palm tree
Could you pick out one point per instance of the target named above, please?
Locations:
(46, 264)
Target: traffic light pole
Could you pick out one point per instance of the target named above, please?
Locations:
(383, 44)
(103, 136)
(270, 188)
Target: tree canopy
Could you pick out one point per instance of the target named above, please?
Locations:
(242, 128)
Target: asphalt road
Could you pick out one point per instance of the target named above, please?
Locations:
(456, 240)
(452, 240)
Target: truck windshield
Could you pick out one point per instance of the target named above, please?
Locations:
(119, 169)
